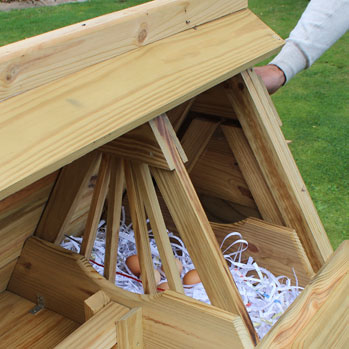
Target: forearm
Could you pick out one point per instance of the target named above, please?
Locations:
(321, 25)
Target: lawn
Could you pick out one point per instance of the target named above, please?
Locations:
(313, 106)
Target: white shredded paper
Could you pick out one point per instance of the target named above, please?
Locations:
(265, 296)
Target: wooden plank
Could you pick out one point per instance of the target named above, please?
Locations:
(95, 303)
(20, 329)
(90, 108)
(116, 188)
(183, 320)
(71, 183)
(130, 330)
(319, 316)
(217, 174)
(139, 144)
(193, 226)
(97, 204)
(41, 59)
(136, 207)
(279, 168)
(273, 247)
(98, 332)
(146, 187)
(214, 102)
(178, 114)
(252, 173)
(5, 274)
(196, 138)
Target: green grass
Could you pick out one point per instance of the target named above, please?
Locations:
(314, 106)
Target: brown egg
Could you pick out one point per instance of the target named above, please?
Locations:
(191, 277)
(163, 287)
(179, 265)
(132, 263)
(157, 276)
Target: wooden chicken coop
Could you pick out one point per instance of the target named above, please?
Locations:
(158, 103)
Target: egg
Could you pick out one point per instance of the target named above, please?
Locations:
(179, 265)
(157, 276)
(132, 263)
(163, 287)
(191, 278)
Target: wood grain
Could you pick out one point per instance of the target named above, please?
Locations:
(279, 168)
(52, 125)
(252, 174)
(273, 247)
(5, 274)
(95, 303)
(69, 188)
(20, 329)
(319, 316)
(178, 114)
(41, 59)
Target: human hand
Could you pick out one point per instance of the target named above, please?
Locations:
(272, 76)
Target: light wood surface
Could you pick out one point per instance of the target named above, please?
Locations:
(130, 330)
(98, 332)
(318, 318)
(278, 167)
(95, 303)
(116, 188)
(136, 207)
(196, 138)
(252, 174)
(52, 125)
(197, 235)
(69, 188)
(41, 59)
(97, 204)
(273, 247)
(20, 329)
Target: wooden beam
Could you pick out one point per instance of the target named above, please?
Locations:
(252, 174)
(147, 190)
(98, 332)
(198, 237)
(319, 316)
(32, 62)
(136, 207)
(95, 303)
(69, 188)
(196, 138)
(116, 188)
(276, 248)
(90, 108)
(130, 330)
(98, 199)
(178, 114)
(278, 167)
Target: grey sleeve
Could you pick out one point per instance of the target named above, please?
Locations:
(322, 23)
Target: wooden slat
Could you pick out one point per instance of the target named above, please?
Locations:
(146, 187)
(20, 329)
(319, 316)
(194, 228)
(96, 208)
(139, 144)
(252, 174)
(178, 114)
(196, 138)
(5, 274)
(130, 330)
(53, 125)
(39, 60)
(136, 206)
(273, 247)
(279, 168)
(95, 303)
(217, 174)
(98, 332)
(116, 188)
(183, 320)
(71, 183)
